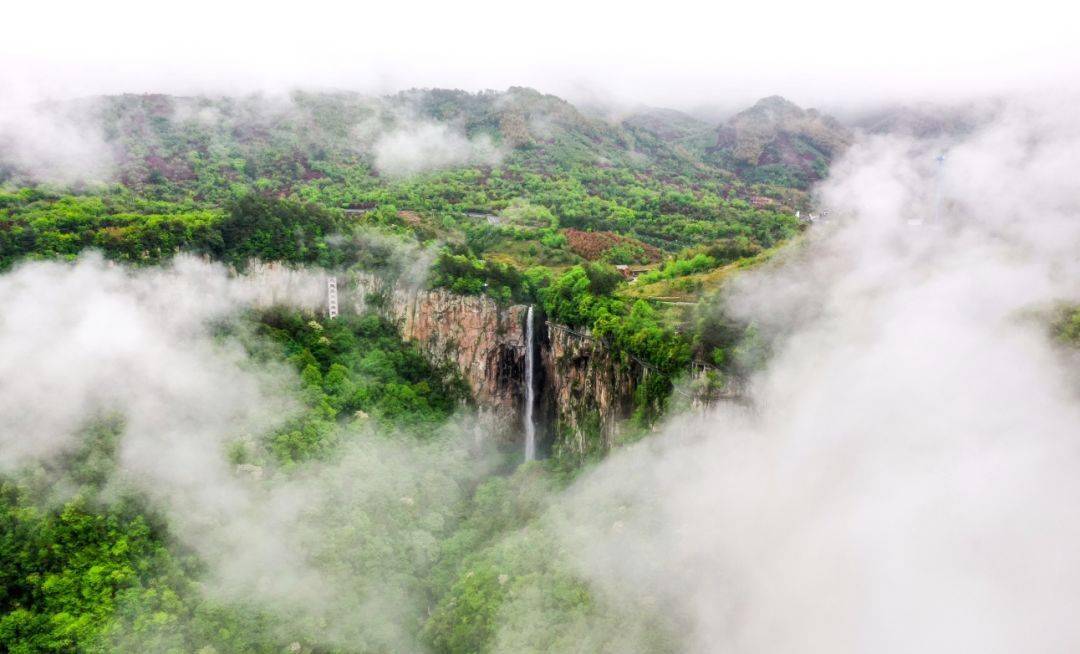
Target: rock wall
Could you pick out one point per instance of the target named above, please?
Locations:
(484, 341)
(591, 391)
(584, 393)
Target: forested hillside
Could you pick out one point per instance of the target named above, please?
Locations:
(508, 191)
(446, 154)
(539, 328)
(516, 195)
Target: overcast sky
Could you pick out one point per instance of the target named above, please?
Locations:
(673, 52)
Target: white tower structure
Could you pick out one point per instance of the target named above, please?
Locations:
(331, 297)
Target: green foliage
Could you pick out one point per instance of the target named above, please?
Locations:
(732, 249)
(42, 225)
(86, 565)
(499, 505)
(679, 268)
(582, 297)
(702, 259)
(63, 569)
(626, 253)
(1068, 327)
(355, 368)
(94, 573)
(554, 240)
(654, 208)
(241, 178)
(128, 230)
(735, 347)
(520, 212)
(512, 589)
(471, 584)
(466, 623)
(276, 230)
(467, 275)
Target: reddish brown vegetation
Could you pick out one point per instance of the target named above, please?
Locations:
(593, 245)
(410, 218)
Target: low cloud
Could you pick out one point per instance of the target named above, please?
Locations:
(426, 146)
(907, 478)
(84, 339)
(55, 142)
(335, 551)
(95, 141)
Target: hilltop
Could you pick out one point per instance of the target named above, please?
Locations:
(174, 145)
(776, 142)
(465, 230)
(458, 162)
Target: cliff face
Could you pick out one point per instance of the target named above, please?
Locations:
(592, 392)
(484, 341)
(583, 393)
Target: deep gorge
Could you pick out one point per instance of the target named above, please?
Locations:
(584, 391)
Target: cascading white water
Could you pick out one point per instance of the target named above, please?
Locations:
(530, 428)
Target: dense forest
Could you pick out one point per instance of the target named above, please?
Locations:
(518, 196)
(518, 328)
(369, 508)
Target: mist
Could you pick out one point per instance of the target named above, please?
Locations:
(682, 55)
(430, 147)
(902, 480)
(101, 338)
(900, 477)
(84, 342)
(75, 144)
(906, 479)
(55, 142)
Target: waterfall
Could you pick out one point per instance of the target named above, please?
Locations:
(530, 428)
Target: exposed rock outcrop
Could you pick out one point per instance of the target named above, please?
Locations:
(484, 341)
(776, 139)
(591, 390)
(584, 391)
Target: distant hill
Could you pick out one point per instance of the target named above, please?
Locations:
(925, 120)
(458, 161)
(162, 141)
(668, 125)
(777, 142)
